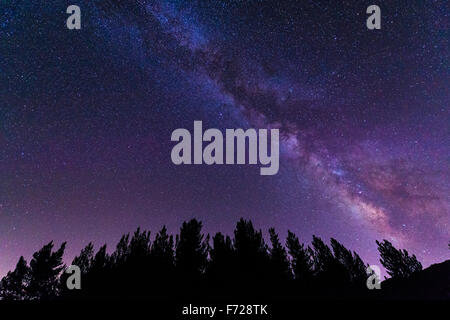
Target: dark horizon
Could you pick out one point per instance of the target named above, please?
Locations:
(192, 266)
(111, 246)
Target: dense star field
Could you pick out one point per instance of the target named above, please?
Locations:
(86, 118)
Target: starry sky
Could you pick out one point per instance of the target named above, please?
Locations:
(86, 118)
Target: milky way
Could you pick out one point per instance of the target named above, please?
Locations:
(86, 117)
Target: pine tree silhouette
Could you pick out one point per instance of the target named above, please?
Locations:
(162, 252)
(191, 251)
(130, 263)
(85, 258)
(98, 280)
(331, 274)
(100, 261)
(355, 270)
(222, 266)
(140, 244)
(120, 255)
(279, 263)
(398, 263)
(358, 273)
(84, 262)
(322, 256)
(14, 285)
(252, 259)
(240, 267)
(301, 259)
(162, 267)
(45, 268)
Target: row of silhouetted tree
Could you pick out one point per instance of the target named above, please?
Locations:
(192, 264)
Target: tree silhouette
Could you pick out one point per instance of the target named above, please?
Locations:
(279, 263)
(322, 256)
(130, 263)
(222, 265)
(358, 274)
(139, 248)
(84, 261)
(398, 263)
(120, 255)
(240, 267)
(249, 243)
(251, 256)
(97, 281)
(162, 263)
(45, 268)
(100, 261)
(302, 262)
(85, 258)
(329, 271)
(14, 285)
(352, 263)
(191, 250)
(162, 252)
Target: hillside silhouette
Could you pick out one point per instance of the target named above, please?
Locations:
(432, 283)
(195, 265)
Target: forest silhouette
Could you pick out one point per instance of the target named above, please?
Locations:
(193, 265)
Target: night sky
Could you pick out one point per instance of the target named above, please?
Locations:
(86, 118)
